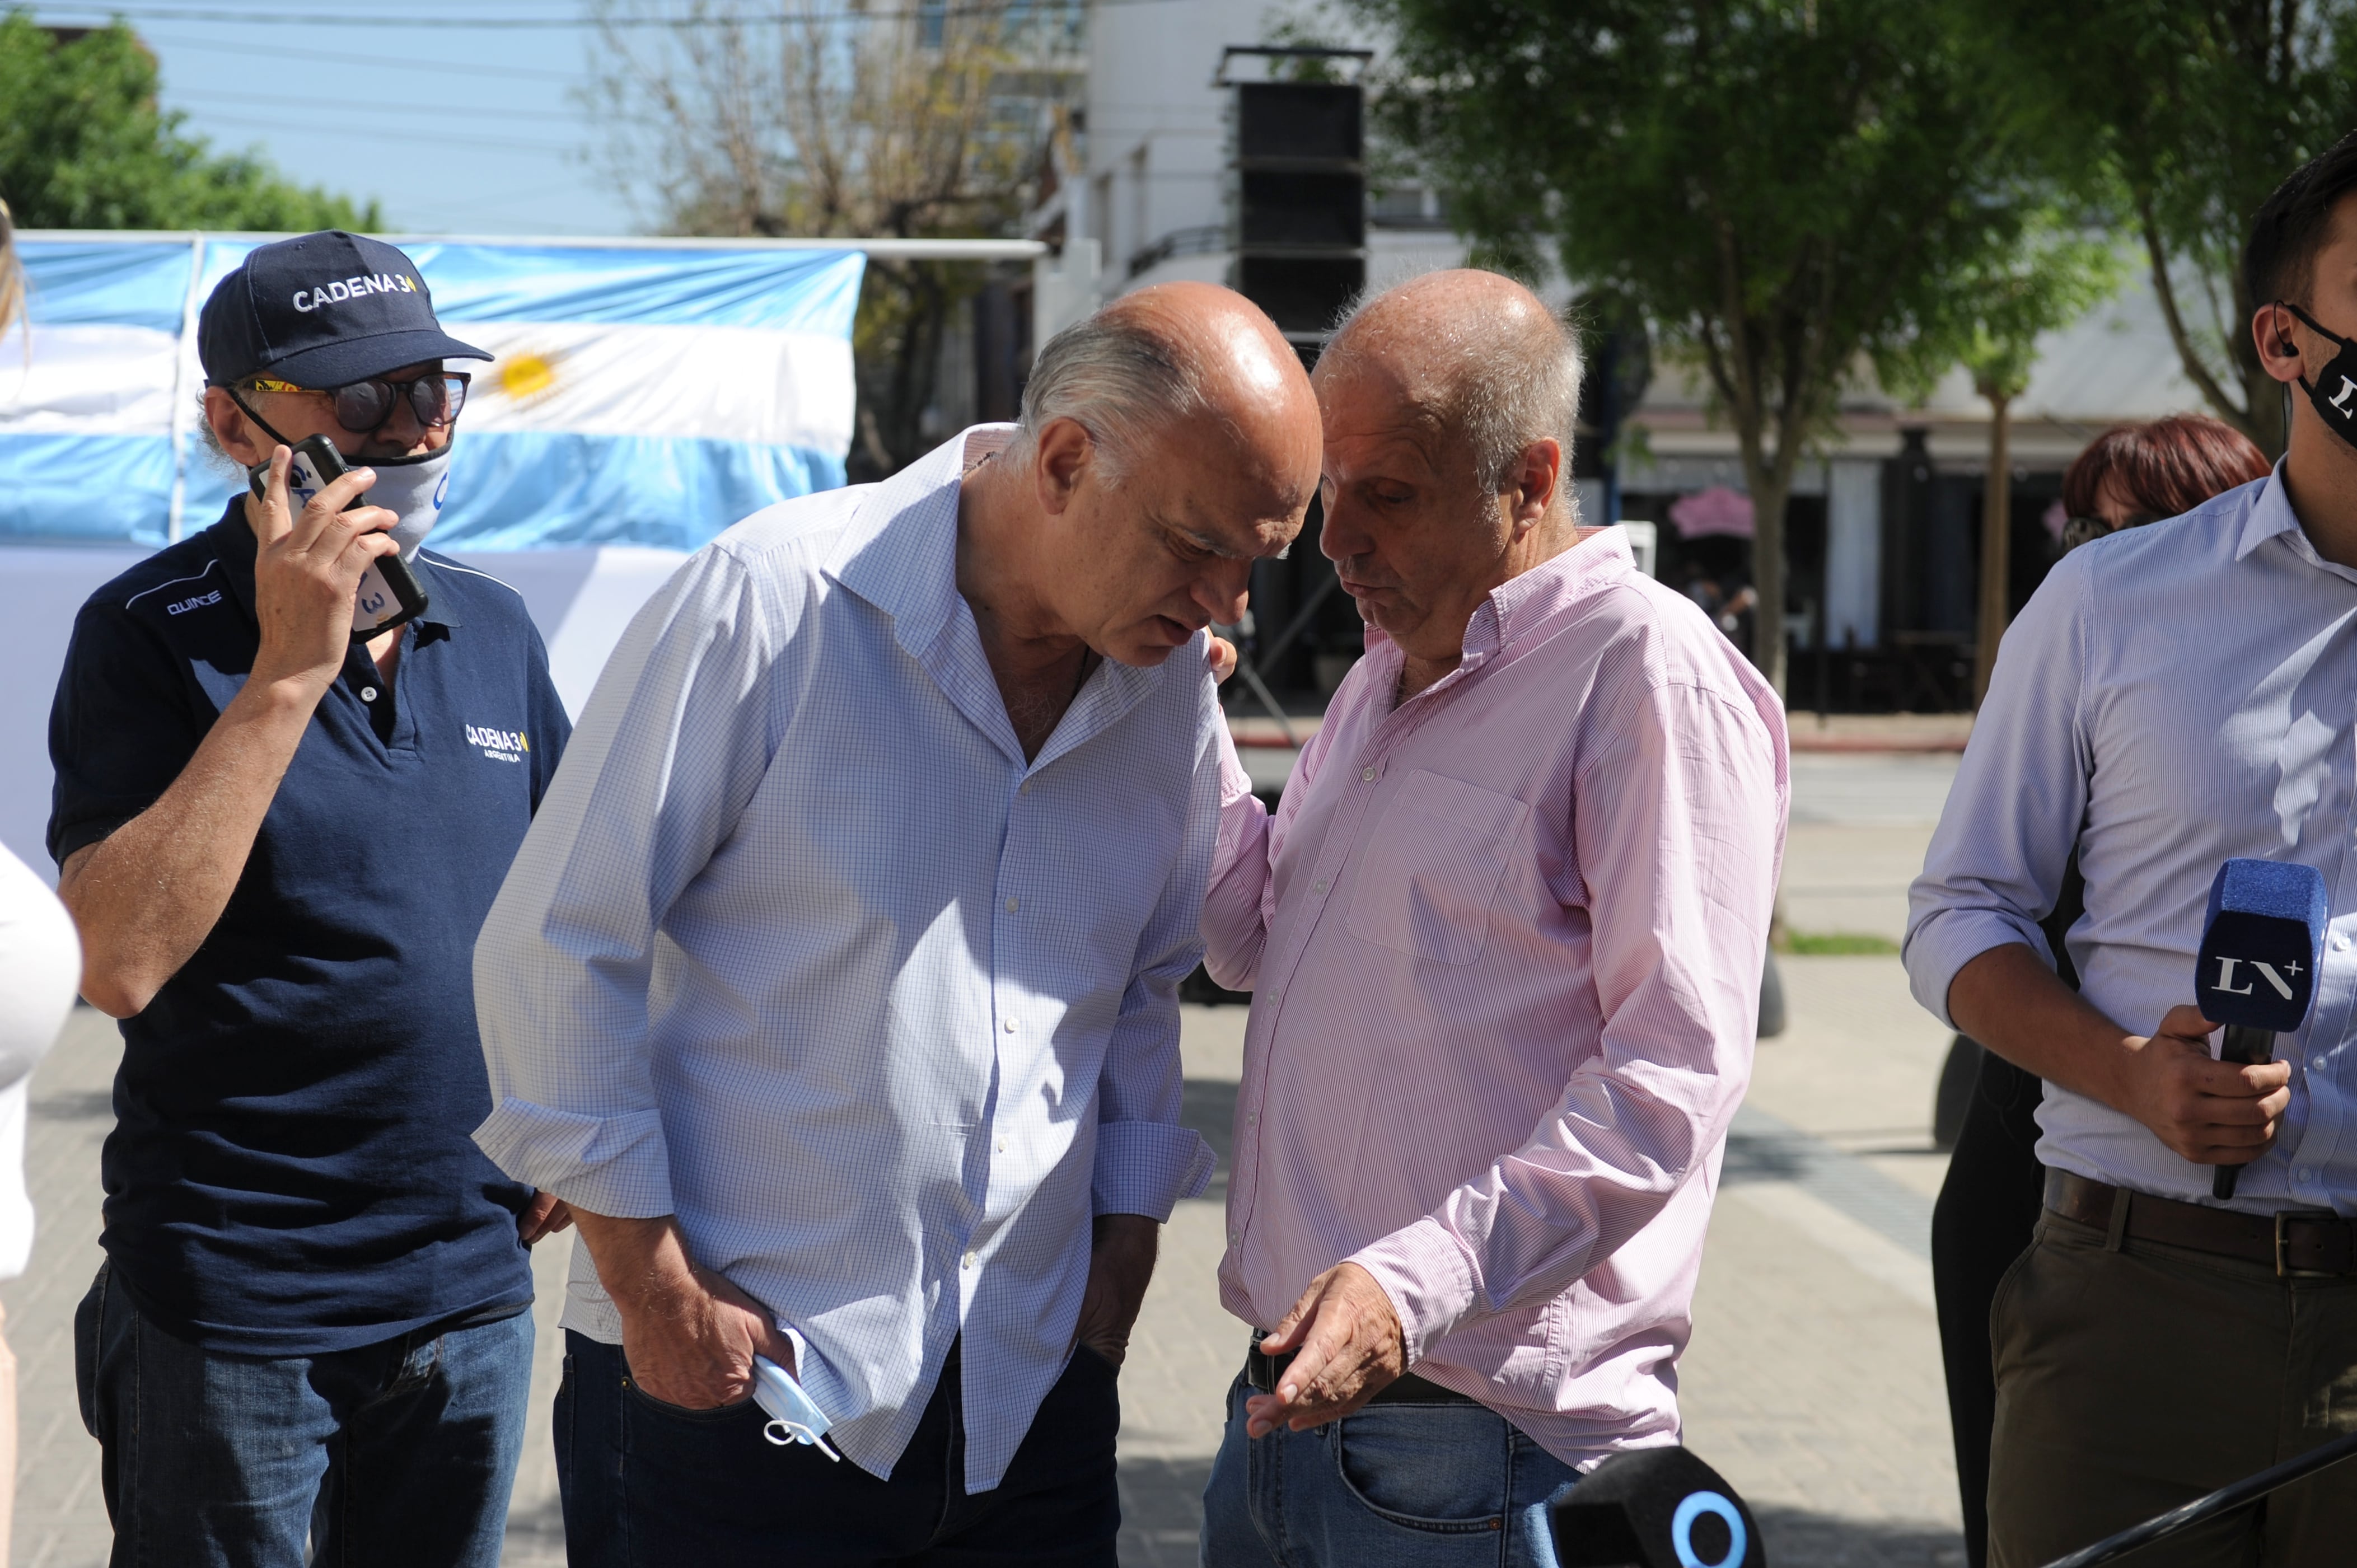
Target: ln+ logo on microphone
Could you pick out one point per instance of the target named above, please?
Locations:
(2266, 972)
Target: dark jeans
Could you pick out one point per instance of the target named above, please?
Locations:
(648, 1485)
(400, 1453)
(1988, 1206)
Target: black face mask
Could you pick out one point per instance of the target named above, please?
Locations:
(2334, 395)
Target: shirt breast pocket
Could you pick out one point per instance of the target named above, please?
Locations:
(1430, 872)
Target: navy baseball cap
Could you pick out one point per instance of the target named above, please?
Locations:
(323, 310)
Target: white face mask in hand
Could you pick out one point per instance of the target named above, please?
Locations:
(796, 1418)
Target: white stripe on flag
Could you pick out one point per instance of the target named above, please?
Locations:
(87, 381)
(716, 384)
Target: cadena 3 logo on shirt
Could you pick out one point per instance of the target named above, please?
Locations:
(500, 745)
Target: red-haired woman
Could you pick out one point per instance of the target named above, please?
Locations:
(2129, 476)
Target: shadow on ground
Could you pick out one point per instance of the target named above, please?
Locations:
(1161, 1510)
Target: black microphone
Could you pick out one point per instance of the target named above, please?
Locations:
(2255, 971)
(1654, 1507)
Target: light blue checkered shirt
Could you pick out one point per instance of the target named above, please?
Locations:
(801, 951)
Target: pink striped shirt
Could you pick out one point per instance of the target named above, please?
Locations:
(1505, 942)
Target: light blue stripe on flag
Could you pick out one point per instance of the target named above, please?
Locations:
(549, 489)
(784, 291)
(113, 282)
(85, 488)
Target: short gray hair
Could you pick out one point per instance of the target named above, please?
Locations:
(1116, 379)
(1503, 380)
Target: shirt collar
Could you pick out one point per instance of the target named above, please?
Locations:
(2269, 514)
(1521, 605)
(910, 571)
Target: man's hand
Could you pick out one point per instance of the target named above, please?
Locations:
(2212, 1112)
(544, 1216)
(689, 1335)
(1222, 657)
(1350, 1345)
(307, 573)
(1121, 1262)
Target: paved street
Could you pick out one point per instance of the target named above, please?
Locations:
(1812, 1383)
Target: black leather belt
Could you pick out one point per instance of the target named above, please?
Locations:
(2295, 1242)
(1262, 1372)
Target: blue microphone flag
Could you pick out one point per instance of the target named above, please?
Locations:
(2260, 945)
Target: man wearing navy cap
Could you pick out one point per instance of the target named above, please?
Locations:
(278, 835)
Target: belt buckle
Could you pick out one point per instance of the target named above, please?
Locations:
(2283, 1216)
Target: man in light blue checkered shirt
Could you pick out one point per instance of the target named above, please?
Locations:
(834, 988)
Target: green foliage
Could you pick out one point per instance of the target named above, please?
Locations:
(1991, 311)
(2182, 115)
(1780, 186)
(82, 146)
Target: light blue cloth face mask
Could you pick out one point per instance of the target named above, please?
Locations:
(794, 1418)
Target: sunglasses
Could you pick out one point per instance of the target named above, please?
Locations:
(363, 406)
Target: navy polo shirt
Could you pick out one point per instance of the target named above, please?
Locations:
(290, 1171)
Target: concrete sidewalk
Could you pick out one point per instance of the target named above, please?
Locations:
(1813, 1382)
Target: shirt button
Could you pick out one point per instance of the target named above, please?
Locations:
(1002, 1145)
(1252, 1120)
(969, 1259)
(1366, 774)
(1318, 886)
(1010, 1026)
(2340, 941)
(2307, 1174)
(1011, 906)
(1234, 1237)
(367, 694)
(2315, 1062)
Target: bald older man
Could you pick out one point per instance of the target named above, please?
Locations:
(835, 986)
(1504, 935)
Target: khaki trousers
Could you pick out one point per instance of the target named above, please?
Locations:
(2133, 1378)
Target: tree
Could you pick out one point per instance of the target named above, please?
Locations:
(2184, 114)
(1782, 186)
(1989, 319)
(83, 145)
(839, 121)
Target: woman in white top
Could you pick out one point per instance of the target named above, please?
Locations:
(40, 965)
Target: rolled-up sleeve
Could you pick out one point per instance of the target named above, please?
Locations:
(1995, 863)
(1678, 826)
(671, 746)
(1145, 1161)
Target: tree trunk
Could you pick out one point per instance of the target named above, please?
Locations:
(1768, 582)
(1997, 540)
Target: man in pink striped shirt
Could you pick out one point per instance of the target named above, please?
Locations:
(1504, 935)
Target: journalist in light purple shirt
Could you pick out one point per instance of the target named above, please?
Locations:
(2099, 732)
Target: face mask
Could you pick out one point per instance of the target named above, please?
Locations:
(413, 489)
(2334, 395)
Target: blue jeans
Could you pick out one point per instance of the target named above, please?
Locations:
(1396, 1486)
(400, 1453)
(649, 1485)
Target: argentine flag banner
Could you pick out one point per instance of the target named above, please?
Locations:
(646, 394)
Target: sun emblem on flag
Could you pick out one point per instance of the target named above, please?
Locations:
(528, 375)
